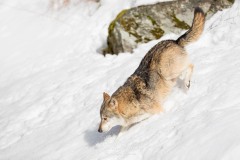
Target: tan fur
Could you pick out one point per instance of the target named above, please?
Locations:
(195, 31)
(146, 89)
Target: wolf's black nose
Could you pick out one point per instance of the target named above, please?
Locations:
(100, 130)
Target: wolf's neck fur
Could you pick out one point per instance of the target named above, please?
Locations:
(135, 97)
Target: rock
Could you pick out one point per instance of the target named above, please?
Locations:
(149, 22)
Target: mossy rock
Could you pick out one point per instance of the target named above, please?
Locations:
(178, 23)
(149, 22)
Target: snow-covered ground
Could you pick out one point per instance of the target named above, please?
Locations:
(52, 76)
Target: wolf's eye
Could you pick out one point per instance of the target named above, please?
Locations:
(105, 119)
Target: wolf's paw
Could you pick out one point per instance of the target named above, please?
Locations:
(186, 87)
(188, 84)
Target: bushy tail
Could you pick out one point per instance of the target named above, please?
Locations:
(195, 31)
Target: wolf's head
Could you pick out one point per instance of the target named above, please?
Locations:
(109, 114)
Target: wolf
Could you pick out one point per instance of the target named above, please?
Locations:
(144, 92)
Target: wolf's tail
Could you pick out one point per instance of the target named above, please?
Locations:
(195, 31)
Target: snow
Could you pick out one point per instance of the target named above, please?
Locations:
(53, 75)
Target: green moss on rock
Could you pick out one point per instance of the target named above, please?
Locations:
(145, 39)
(231, 1)
(178, 23)
(111, 27)
(128, 24)
(137, 36)
(157, 32)
(152, 20)
(113, 23)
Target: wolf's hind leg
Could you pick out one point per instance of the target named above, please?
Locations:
(188, 76)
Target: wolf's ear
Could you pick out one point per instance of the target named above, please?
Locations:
(105, 96)
(113, 103)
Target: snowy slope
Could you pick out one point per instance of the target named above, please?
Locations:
(52, 79)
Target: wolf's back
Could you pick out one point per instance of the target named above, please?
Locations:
(196, 29)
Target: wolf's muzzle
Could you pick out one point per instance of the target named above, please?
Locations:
(100, 130)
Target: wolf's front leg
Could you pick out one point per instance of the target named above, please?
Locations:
(188, 76)
(122, 130)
